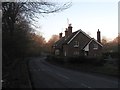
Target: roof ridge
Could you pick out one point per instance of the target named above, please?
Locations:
(97, 42)
(85, 33)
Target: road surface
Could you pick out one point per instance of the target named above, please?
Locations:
(45, 75)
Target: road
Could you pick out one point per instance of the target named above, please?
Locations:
(45, 75)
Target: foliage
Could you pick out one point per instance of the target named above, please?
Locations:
(12, 11)
(76, 60)
(111, 47)
(18, 37)
(51, 41)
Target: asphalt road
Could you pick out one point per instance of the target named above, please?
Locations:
(45, 75)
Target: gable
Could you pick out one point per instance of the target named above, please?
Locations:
(95, 42)
(79, 31)
(81, 38)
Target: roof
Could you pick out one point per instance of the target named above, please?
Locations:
(64, 40)
(77, 34)
(92, 39)
(68, 40)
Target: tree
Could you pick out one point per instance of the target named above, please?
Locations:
(104, 40)
(12, 11)
(17, 17)
(18, 37)
(117, 39)
(37, 45)
(51, 41)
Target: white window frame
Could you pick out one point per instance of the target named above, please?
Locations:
(76, 44)
(65, 54)
(57, 52)
(95, 46)
(76, 53)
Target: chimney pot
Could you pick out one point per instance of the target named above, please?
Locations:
(66, 32)
(70, 29)
(60, 35)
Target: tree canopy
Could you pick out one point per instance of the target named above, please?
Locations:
(18, 35)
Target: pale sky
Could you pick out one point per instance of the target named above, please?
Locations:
(87, 15)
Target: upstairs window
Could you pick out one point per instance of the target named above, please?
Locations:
(76, 44)
(95, 46)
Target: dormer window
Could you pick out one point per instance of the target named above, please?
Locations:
(76, 44)
(95, 46)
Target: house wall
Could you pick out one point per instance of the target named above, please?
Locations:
(65, 50)
(82, 41)
(94, 52)
(69, 49)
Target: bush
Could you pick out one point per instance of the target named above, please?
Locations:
(86, 60)
(76, 60)
(54, 58)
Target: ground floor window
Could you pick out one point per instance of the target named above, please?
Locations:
(65, 53)
(76, 53)
(86, 53)
(57, 52)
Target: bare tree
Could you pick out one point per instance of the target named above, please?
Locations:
(12, 11)
(51, 41)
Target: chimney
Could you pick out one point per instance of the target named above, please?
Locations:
(66, 32)
(69, 29)
(60, 35)
(98, 36)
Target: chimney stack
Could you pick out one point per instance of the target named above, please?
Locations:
(66, 32)
(98, 36)
(60, 35)
(69, 29)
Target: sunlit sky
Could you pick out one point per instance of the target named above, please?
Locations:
(88, 15)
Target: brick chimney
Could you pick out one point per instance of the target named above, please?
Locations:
(66, 32)
(98, 36)
(70, 29)
(60, 35)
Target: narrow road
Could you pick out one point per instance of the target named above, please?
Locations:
(45, 75)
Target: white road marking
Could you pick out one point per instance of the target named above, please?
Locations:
(63, 76)
(85, 85)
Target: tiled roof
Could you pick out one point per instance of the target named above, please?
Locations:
(67, 40)
(64, 40)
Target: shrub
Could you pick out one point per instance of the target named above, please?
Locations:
(54, 58)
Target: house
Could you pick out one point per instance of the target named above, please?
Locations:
(77, 43)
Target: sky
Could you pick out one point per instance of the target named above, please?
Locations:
(87, 15)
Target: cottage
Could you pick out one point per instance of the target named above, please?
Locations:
(77, 43)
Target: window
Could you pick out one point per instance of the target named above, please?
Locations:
(86, 53)
(65, 54)
(95, 46)
(76, 53)
(76, 44)
(57, 52)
